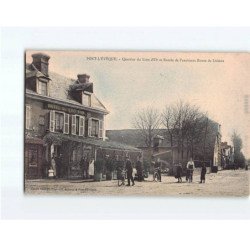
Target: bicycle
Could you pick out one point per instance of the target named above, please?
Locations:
(122, 178)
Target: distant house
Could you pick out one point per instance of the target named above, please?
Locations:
(63, 117)
(171, 155)
(227, 155)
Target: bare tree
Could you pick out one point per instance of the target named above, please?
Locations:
(147, 121)
(186, 127)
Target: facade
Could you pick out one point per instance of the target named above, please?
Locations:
(227, 154)
(65, 121)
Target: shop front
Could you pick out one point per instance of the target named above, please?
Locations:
(70, 152)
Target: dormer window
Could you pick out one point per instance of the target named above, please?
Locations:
(86, 99)
(42, 88)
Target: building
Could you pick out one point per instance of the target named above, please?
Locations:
(170, 156)
(227, 155)
(64, 118)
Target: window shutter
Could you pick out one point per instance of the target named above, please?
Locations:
(27, 117)
(100, 128)
(81, 125)
(66, 124)
(52, 121)
(73, 125)
(89, 126)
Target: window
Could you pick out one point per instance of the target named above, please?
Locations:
(59, 122)
(77, 126)
(95, 128)
(86, 99)
(28, 116)
(42, 88)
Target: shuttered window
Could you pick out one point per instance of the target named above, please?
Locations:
(66, 124)
(27, 116)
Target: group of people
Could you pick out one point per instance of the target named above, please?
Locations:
(189, 172)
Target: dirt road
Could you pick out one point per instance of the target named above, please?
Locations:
(224, 183)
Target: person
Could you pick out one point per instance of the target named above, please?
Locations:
(59, 167)
(203, 173)
(53, 164)
(129, 170)
(139, 169)
(179, 172)
(157, 167)
(246, 168)
(83, 166)
(190, 170)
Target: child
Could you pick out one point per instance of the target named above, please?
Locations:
(203, 173)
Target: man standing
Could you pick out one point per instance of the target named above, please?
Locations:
(158, 168)
(139, 169)
(190, 170)
(203, 173)
(129, 170)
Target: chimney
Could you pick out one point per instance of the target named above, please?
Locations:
(83, 78)
(41, 62)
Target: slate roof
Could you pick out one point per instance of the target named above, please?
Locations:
(59, 86)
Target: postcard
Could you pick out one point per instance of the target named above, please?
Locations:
(136, 123)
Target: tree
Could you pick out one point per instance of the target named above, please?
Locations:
(239, 158)
(187, 128)
(147, 121)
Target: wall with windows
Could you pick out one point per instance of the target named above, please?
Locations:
(39, 120)
(36, 118)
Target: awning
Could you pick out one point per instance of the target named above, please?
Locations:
(59, 138)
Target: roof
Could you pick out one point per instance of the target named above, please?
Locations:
(59, 138)
(133, 137)
(59, 86)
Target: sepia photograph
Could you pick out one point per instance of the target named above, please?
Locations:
(136, 123)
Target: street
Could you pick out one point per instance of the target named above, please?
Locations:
(222, 184)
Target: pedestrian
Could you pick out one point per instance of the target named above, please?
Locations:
(246, 168)
(53, 164)
(203, 173)
(129, 170)
(157, 167)
(190, 170)
(59, 167)
(139, 169)
(179, 172)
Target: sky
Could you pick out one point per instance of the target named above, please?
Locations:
(126, 82)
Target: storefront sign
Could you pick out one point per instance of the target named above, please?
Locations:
(64, 109)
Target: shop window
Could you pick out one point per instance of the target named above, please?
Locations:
(32, 157)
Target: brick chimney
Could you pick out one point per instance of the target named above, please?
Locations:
(83, 78)
(41, 62)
